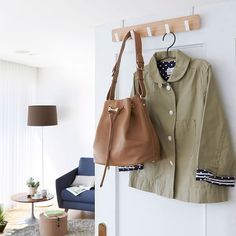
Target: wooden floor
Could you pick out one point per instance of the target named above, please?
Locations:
(16, 216)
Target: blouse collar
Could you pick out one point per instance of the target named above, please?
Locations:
(181, 66)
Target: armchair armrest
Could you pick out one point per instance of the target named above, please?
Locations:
(64, 182)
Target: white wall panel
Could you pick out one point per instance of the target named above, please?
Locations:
(139, 213)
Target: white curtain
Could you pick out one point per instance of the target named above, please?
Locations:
(19, 158)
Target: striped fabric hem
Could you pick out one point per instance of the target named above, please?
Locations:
(208, 176)
(131, 167)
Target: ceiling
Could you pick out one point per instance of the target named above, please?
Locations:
(56, 32)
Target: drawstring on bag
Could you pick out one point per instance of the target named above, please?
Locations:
(113, 113)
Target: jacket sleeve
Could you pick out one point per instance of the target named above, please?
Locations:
(215, 151)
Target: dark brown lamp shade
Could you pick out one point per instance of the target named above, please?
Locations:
(42, 115)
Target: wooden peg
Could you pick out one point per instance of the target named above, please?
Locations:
(149, 32)
(117, 37)
(132, 34)
(186, 25)
(167, 27)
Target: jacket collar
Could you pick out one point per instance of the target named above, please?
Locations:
(182, 63)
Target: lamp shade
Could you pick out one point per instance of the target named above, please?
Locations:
(42, 115)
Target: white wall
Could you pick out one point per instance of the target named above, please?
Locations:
(72, 90)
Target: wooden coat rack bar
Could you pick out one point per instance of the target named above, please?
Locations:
(180, 24)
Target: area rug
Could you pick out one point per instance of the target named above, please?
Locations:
(75, 228)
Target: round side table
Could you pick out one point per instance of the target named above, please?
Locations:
(22, 198)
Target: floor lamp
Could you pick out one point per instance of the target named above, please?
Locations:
(42, 115)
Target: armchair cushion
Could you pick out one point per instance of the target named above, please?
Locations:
(84, 180)
(85, 197)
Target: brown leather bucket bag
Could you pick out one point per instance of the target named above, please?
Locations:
(125, 135)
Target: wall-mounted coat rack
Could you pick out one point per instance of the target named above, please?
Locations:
(180, 24)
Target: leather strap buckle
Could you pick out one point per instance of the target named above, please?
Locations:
(140, 67)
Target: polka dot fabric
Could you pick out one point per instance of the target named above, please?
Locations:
(163, 67)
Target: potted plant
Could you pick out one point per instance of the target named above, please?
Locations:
(3, 222)
(33, 186)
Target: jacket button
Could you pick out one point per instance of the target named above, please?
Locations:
(168, 87)
(169, 138)
(160, 85)
(171, 112)
(171, 163)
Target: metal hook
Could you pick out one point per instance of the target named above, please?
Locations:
(163, 39)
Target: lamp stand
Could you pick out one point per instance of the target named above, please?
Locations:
(43, 204)
(42, 167)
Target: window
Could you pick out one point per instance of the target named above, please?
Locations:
(18, 142)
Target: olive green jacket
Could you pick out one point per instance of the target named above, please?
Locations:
(189, 120)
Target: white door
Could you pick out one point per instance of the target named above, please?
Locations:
(131, 212)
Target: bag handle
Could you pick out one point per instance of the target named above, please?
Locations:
(140, 66)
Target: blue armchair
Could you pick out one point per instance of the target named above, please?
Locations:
(84, 201)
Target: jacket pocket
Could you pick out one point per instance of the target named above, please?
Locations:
(185, 135)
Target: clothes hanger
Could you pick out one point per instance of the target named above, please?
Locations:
(167, 51)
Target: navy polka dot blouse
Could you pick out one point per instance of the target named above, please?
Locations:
(166, 68)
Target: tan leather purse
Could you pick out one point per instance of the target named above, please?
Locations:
(125, 135)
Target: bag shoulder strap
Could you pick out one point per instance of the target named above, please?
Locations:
(140, 66)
